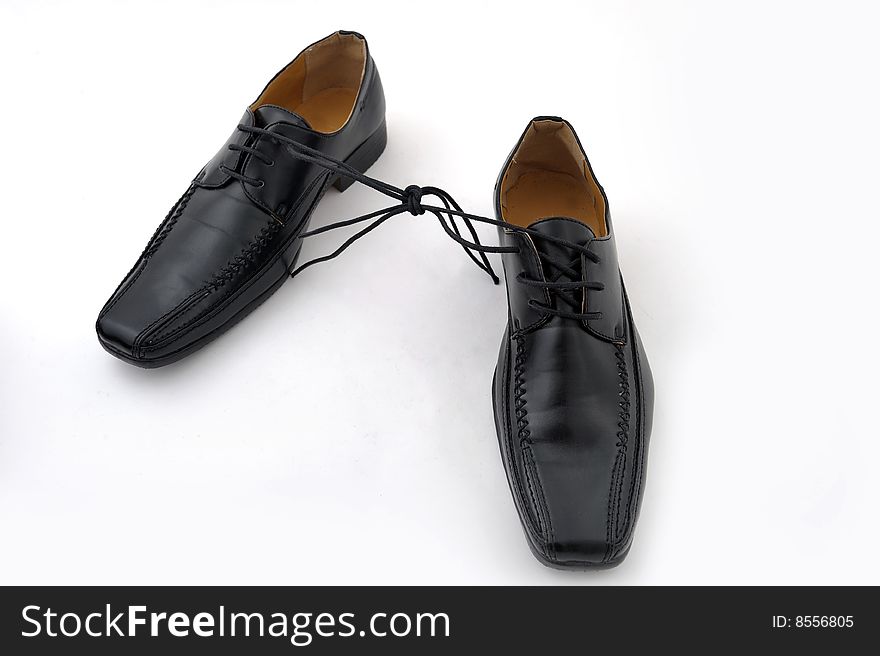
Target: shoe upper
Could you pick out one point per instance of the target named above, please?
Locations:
(573, 392)
(232, 236)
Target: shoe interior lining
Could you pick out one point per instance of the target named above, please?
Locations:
(322, 84)
(549, 176)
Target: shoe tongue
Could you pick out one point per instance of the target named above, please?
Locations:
(266, 115)
(565, 228)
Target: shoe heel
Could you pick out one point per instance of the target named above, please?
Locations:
(364, 156)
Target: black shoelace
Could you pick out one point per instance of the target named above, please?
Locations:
(410, 200)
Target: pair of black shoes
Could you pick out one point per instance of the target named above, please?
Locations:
(572, 390)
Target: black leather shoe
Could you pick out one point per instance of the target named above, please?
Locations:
(231, 239)
(573, 393)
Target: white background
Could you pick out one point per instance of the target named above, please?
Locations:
(343, 433)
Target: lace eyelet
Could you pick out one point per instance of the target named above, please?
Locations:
(261, 185)
(272, 163)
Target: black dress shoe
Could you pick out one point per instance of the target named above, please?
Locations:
(573, 393)
(234, 235)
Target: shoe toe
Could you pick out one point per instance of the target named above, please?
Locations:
(116, 334)
(129, 319)
(581, 510)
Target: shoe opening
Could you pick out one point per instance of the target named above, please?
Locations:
(321, 85)
(549, 176)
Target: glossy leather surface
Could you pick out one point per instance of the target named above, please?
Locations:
(573, 403)
(226, 245)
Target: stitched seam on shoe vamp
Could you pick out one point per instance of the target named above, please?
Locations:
(540, 502)
(162, 320)
(519, 491)
(636, 486)
(639, 437)
(609, 526)
(226, 274)
(508, 434)
(154, 341)
(140, 265)
(519, 391)
(160, 234)
(617, 477)
(181, 206)
(527, 455)
(623, 425)
(524, 435)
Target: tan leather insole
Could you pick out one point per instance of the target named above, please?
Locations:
(540, 194)
(328, 110)
(322, 83)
